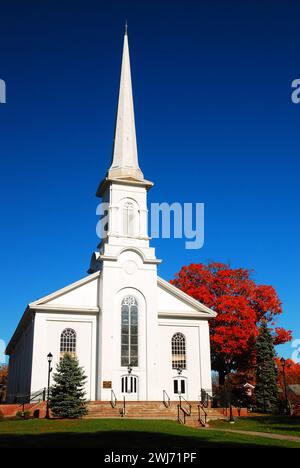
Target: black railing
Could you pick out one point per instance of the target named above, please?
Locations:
(24, 398)
(180, 415)
(206, 398)
(185, 405)
(166, 399)
(30, 398)
(202, 415)
(123, 409)
(113, 399)
(184, 409)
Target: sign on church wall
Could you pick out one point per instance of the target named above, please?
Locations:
(107, 384)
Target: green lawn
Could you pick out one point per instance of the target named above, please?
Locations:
(122, 433)
(272, 424)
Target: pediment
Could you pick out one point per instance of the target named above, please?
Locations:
(81, 295)
(173, 301)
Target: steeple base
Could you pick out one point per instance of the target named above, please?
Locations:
(125, 172)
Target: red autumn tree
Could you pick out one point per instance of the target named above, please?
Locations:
(241, 306)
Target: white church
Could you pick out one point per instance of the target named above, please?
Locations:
(135, 335)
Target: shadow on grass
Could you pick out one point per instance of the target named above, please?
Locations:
(112, 440)
(286, 423)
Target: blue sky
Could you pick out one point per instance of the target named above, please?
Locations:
(215, 124)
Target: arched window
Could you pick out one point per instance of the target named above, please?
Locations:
(128, 219)
(68, 342)
(129, 332)
(178, 351)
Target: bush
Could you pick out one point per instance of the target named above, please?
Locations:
(23, 415)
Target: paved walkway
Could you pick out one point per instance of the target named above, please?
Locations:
(256, 433)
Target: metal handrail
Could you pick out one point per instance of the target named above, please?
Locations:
(205, 398)
(34, 395)
(123, 409)
(166, 399)
(31, 396)
(179, 419)
(185, 411)
(201, 408)
(188, 412)
(113, 399)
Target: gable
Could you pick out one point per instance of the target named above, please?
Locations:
(168, 302)
(82, 294)
(172, 301)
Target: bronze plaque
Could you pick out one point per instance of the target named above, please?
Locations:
(106, 383)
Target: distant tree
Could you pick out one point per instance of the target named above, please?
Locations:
(241, 306)
(3, 381)
(291, 370)
(67, 394)
(3, 373)
(266, 389)
(292, 377)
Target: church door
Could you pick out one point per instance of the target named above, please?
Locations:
(180, 387)
(129, 387)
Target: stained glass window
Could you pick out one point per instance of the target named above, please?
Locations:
(129, 332)
(178, 351)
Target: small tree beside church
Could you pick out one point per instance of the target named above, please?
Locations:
(266, 390)
(67, 395)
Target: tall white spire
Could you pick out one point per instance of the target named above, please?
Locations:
(125, 158)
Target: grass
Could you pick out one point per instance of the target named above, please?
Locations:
(116, 433)
(271, 424)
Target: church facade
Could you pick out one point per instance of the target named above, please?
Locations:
(136, 335)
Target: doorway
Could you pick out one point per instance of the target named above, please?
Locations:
(180, 387)
(129, 387)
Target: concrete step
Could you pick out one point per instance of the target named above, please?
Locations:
(150, 410)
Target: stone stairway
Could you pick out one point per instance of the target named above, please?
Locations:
(153, 410)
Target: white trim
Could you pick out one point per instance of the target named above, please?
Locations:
(182, 313)
(66, 289)
(131, 248)
(62, 309)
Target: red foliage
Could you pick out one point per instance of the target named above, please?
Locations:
(292, 372)
(241, 306)
(282, 336)
(3, 373)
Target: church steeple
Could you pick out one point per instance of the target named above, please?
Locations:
(124, 214)
(125, 157)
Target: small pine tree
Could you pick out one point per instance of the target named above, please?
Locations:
(266, 390)
(67, 394)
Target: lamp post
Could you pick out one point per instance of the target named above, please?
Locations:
(49, 358)
(283, 362)
(228, 363)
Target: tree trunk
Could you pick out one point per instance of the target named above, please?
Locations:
(222, 375)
